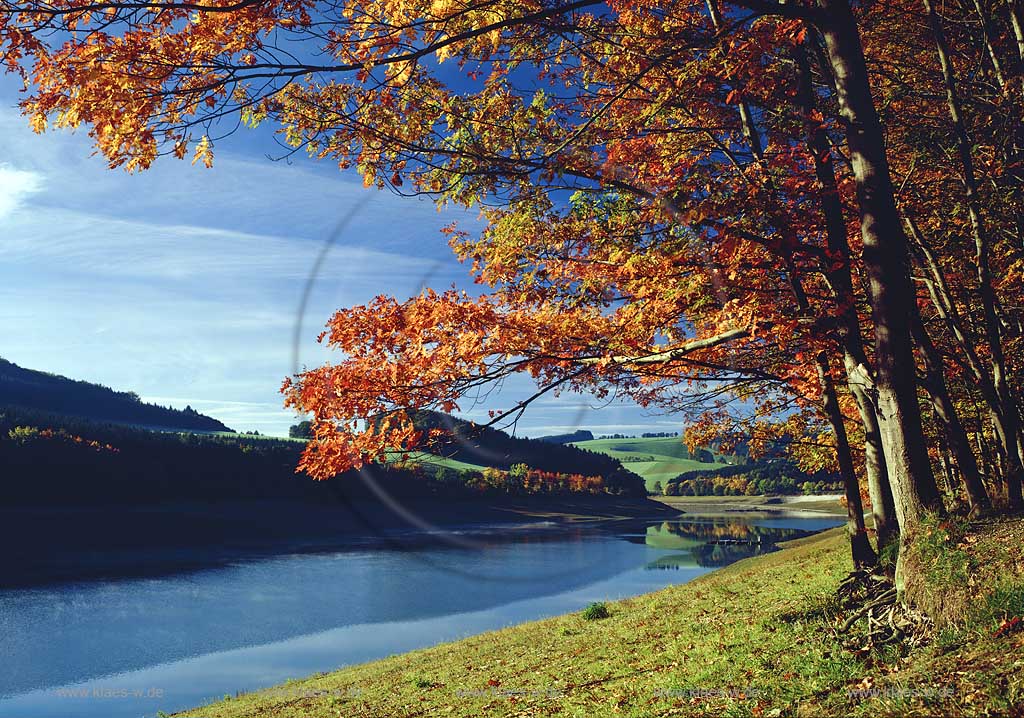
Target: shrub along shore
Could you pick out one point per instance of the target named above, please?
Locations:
(757, 638)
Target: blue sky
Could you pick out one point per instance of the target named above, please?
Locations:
(183, 283)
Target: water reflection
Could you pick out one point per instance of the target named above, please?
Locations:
(714, 542)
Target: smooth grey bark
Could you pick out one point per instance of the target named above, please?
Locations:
(883, 505)
(949, 471)
(1017, 23)
(983, 453)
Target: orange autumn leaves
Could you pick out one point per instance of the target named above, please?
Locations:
(428, 352)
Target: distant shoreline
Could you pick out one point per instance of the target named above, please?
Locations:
(794, 507)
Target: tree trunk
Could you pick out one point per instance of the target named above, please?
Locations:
(949, 471)
(883, 506)
(885, 261)
(945, 306)
(836, 270)
(983, 453)
(1020, 440)
(988, 34)
(860, 546)
(1017, 22)
(746, 115)
(949, 419)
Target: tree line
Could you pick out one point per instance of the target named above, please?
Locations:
(53, 460)
(458, 439)
(781, 476)
(520, 480)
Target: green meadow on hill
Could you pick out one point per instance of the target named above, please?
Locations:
(655, 459)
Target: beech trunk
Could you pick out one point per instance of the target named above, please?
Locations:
(885, 260)
(839, 276)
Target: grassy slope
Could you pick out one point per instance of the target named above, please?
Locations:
(430, 460)
(754, 629)
(670, 454)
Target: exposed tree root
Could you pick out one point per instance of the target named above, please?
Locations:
(871, 617)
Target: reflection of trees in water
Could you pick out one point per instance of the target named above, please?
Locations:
(673, 562)
(727, 529)
(714, 539)
(710, 556)
(724, 554)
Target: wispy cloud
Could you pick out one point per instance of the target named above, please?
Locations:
(72, 240)
(15, 186)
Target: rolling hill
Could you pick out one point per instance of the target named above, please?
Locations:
(85, 462)
(485, 446)
(655, 459)
(55, 394)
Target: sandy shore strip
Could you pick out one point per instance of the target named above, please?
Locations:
(796, 507)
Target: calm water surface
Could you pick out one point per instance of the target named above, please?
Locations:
(132, 647)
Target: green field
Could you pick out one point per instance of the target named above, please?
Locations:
(429, 460)
(670, 455)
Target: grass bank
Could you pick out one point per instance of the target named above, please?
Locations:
(753, 639)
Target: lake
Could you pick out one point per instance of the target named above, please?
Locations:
(135, 646)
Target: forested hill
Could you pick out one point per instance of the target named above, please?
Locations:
(486, 446)
(578, 435)
(52, 393)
